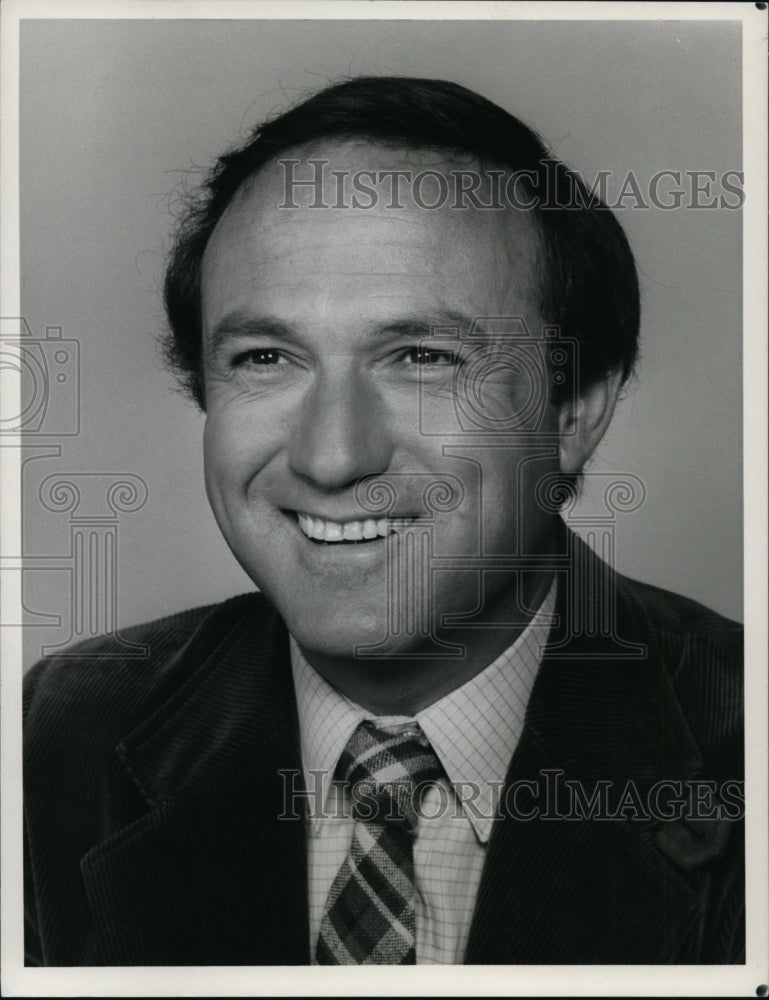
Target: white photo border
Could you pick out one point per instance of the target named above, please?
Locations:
(455, 980)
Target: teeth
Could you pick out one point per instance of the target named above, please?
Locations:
(349, 531)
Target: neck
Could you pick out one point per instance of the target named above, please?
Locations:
(407, 684)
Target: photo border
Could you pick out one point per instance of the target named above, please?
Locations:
(454, 980)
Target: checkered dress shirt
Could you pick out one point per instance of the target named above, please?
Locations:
(473, 731)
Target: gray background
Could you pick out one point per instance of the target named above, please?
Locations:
(117, 115)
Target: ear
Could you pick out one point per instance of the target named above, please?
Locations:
(582, 421)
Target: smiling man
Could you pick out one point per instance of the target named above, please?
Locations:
(443, 730)
(322, 342)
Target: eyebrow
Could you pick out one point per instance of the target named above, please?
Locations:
(238, 325)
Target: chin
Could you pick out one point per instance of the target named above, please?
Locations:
(337, 634)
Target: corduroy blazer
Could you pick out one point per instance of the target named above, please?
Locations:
(153, 791)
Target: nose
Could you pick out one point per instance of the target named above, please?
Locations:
(341, 434)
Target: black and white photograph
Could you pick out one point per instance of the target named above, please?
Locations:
(384, 451)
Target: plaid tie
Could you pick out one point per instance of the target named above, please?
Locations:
(370, 911)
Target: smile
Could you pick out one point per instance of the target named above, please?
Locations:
(320, 530)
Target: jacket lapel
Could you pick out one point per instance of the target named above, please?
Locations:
(209, 763)
(589, 890)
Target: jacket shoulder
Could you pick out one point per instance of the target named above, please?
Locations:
(703, 655)
(108, 682)
(675, 615)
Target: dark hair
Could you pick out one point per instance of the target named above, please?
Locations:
(589, 286)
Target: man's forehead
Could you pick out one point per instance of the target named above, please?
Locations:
(366, 191)
(355, 160)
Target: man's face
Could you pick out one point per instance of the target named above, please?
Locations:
(313, 320)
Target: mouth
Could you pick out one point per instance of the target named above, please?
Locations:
(358, 532)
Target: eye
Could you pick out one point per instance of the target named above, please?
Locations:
(260, 356)
(430, 356)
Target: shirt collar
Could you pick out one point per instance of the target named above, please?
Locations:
(473, 729)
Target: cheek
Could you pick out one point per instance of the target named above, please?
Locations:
(219, 447)
(229, 466)
(240, 437)
(507, 494)
(216, 464)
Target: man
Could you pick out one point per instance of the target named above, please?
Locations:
(444, 731)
